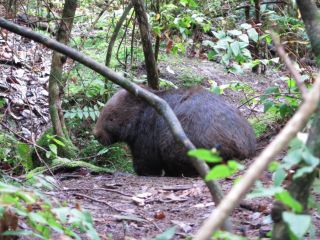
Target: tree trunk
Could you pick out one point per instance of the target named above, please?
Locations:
(300, 188)
(256, 44)
(56, 81)
(116, 32)
(151, 65)
(158, 37)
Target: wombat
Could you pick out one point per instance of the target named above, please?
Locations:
(207, 120)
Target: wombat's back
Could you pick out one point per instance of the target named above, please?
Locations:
(210, 122)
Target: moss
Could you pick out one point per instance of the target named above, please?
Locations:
(189, 79)
(259, 127)
(67, 151)
(66, 163)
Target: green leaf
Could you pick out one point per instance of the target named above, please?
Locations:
(220, 34)
(208, 43)
(293, 158)
(284, 110)
(212, 54)
(309, 158)
(36, 217)
(260, 191)
(57, 141)
(304, 170)
(79, 113)
(271, 90)
(289, 201)
(205, 155)
(278, 177)
(245, 26)
(235, 48)
(298, 224)
(235, 69)
(244, 38)
(166, 235)
(227, 236)
(267, 105)
(53, 148)
(253, 35)
(222, 171)
(234, 32)
(92, 115)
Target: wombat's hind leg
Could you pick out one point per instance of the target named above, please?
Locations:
(146, 168)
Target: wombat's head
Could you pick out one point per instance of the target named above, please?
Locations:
(115, 118)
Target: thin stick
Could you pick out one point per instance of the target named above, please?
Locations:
(287, 61)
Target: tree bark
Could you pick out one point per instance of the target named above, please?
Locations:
(56, 81)
(150, 61)
(257, 20)
(116, 32)
(300, 188)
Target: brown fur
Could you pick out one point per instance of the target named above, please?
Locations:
(207, 120)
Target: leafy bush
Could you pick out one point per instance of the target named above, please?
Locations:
(44, 217)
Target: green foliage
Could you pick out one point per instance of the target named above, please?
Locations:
(210, 156)
(14, 154)
(115, 157)
(227, 236)
(222, 171)
(51, 147)
(284, 104)
(298, 224)
(232, 45)
(166, 235)
(42, 215)
(218, 171)
(86, 112)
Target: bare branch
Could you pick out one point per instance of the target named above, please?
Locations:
(287, 61)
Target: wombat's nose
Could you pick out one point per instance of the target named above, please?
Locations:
(96, 133)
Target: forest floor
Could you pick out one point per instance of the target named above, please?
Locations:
(125, 206)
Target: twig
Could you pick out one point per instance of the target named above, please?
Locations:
(97, 189)
(287, 61)
(96, 200)
(237, 193)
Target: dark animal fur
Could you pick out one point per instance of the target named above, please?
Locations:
(207, 120)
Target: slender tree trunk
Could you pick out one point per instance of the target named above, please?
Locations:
(116, 32)
(158, 37)
(256, 44)
(300, 188)
(56, 81)
(150, 61)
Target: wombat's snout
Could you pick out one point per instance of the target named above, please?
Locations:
(101, 136)
(96, 134)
